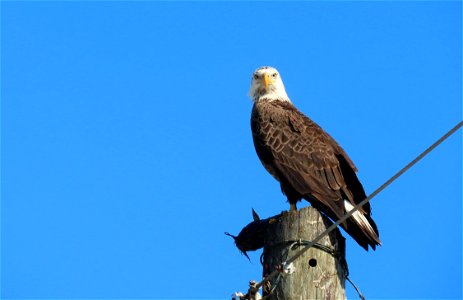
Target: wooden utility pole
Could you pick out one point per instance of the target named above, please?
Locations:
(319, 273)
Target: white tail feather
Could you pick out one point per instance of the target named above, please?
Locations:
(359, 217)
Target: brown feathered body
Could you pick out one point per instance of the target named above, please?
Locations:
(310, 164)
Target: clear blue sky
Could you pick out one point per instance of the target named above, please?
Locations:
(127, 150)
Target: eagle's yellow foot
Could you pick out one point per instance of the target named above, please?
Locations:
(292, 207)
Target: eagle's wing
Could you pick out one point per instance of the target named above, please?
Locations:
(301, 154)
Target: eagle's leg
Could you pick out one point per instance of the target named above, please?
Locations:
(291, 195)
(292, 206)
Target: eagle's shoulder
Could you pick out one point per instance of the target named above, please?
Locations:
(284, 126)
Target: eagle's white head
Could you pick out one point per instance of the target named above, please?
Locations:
(267, 84)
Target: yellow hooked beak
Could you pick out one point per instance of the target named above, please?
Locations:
(266, 79)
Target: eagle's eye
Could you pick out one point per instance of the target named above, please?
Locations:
(274, 75)
(256, 76)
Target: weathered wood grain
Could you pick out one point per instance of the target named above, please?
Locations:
(317, 273)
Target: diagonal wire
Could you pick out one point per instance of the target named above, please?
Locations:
(366, 200)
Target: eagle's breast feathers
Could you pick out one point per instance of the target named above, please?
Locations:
(296, 149)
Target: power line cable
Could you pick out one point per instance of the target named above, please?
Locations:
(352, 211)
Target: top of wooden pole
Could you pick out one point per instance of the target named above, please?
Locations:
(317, 274)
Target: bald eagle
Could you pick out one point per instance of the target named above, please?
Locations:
(307, 161)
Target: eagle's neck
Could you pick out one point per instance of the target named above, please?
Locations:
(265, 99)
(271, 96)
